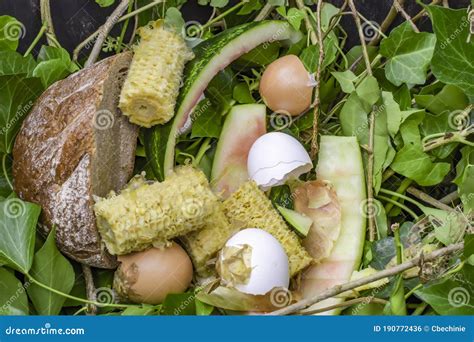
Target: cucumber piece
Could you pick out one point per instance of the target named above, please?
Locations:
(340, 162)
(243, 125)
(301, 223)
(212, 55)
(281, 195)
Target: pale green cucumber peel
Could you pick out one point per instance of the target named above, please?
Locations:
(212, 55)
(340, 162)
(301, 223)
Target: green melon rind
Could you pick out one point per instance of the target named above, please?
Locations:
(236, 130)
(211, 56)
(340, 162)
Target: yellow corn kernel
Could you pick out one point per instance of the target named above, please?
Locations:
(149, 93)
(249, 206)
(146, 214)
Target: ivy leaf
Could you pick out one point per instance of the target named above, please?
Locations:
(17, 233)
(207, 121)
(346, 79)
(295, 17)
(17, 96)
(105, 3)
(452, 295)
(465, 178)
(11, 30)
(12, 63)
(369, 91)
(174, 19)
(54, 65)
(249, 7)
(452, 61)
(52, 269)
(13, 297)
(353, 119)
(179, 304)
(450, 98)
(409, 55)
(242, 93)
(413, 163)
(396, 116)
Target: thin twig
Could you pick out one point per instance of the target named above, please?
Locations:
(405, 15)
(264, 12)
(93, 36)
(387, 22)
(90, 289)
(104, 32)
(312, 35)
(345, 304)
(336, 290)
(450, 198)
(370, 148)
(423, 11)
(428, 199)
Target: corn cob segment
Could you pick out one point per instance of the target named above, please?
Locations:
(249, 206)
(149, 93)
(146, 214)
(203, 245)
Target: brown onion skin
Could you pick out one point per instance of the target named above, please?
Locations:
(149, 276)
(285, 87)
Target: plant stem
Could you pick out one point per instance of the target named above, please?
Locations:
(334, 291)
(397, 298)
(264, 12)
(399, 8)
(202, 151)
(90, 288)
(428, 199)
(401, 206)
(419, 310)
(345, 304)
(104, 32)
(450, 198)
(124, 27)
(423, 11)
(370, 149)
(222, 15)
(5, 171)
(401, 189)
(38, 37)
(91, 38)
(82, 300)
(387, 22)
(46, 19)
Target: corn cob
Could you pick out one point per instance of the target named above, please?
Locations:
(203, 245)
(149, 93)
(249, 206)
(148, 214)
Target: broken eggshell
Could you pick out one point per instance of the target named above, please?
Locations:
(276, 157)
(254, 262)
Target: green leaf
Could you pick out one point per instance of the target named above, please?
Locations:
(369, 91)
(450, 98)
(295, 17)
(346, 79)
(207, 121)
(51, 71)
(144, 310)
(105, 3)
(203, 309)
(355, 54)
(452, 295)
(17, 96)
(11, 31)
(52, 269)
(174, 19)
(249, 7)
(310, 55)
(12, 63)
(242, 93)
(353, 119)
(452, 60)
(413, 163)
(13, 299)
(17, 233)
(409, 55)
(468, 246)
(395, 116)
(179, 304)
(381, 220)
(465, 178)
(441, 123)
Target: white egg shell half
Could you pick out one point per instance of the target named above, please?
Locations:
(269, 261)
(276, 157)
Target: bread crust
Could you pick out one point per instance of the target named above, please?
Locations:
(76, 144)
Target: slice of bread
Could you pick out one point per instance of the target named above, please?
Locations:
(76, 144)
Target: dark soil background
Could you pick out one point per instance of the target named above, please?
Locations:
(75, 20)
